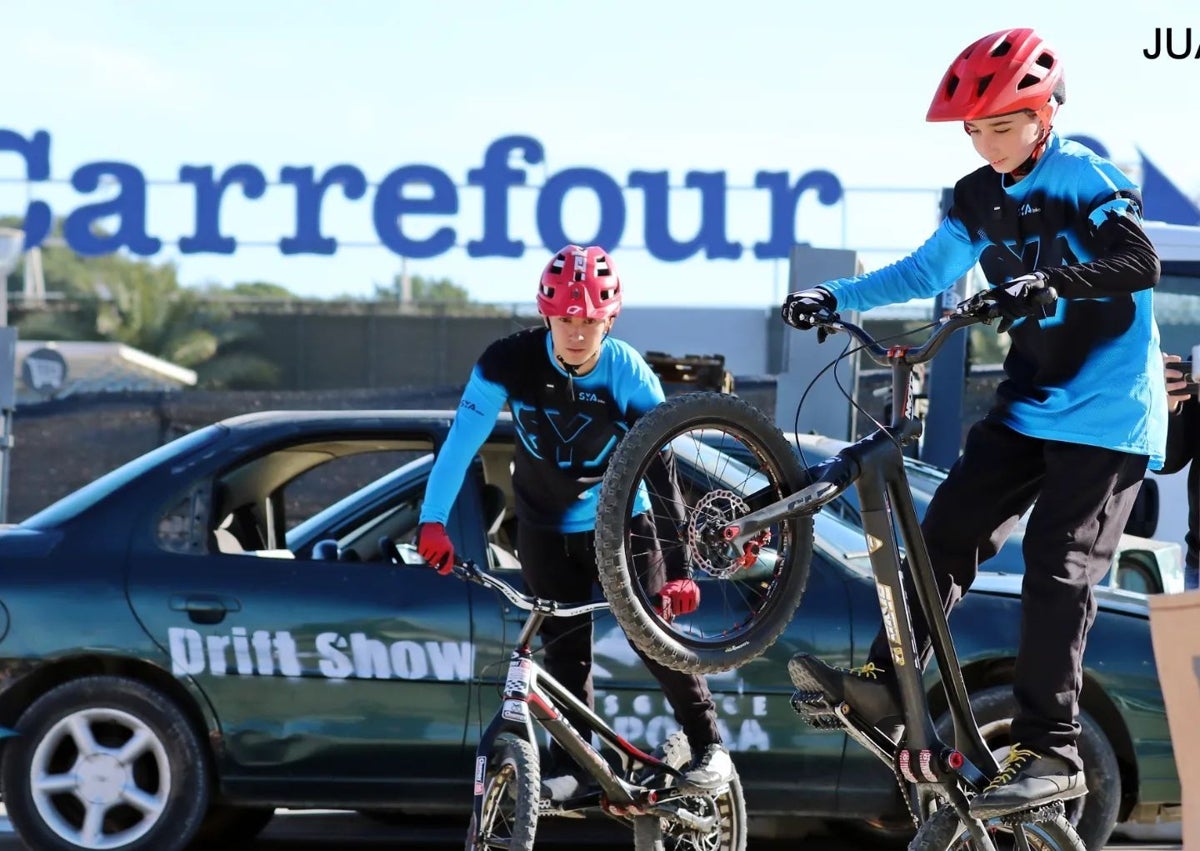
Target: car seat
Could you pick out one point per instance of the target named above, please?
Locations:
(494, 506)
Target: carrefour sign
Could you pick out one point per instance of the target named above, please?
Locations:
(415, 192)
(408, 197)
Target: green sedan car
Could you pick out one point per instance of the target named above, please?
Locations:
(210, 632)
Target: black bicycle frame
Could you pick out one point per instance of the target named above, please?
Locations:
(875, 465)
(532, 695)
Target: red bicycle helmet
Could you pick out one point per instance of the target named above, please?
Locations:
(1007, 71)
(580, 282)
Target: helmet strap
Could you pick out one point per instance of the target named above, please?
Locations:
(1045, 118)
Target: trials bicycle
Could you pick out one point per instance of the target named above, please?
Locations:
(642, 789)
(749, 530)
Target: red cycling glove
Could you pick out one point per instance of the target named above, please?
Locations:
(679, 597)
(435, 547)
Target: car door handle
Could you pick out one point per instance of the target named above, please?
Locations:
(205, 608)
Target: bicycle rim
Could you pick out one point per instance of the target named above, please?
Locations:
(729, 807)
(729, 460)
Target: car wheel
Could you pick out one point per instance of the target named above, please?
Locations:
(105, 763)
(227, 826)
(1093, 816)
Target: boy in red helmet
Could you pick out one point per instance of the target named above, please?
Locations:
(1079, 416)
(573, 391)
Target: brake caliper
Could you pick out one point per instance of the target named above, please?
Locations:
(710, 529)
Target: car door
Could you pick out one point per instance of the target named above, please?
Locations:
(346, 676)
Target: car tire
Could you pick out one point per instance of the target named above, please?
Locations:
(113, 740)
(1093, 816)
(227, 826)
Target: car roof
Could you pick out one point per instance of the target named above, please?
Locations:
(309, 418)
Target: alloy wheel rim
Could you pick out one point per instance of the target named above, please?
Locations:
(100, 778)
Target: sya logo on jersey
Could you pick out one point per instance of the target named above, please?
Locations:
(569, 439)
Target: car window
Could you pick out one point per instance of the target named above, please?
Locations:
(311, 492)
(75, 503)
(258, 500)
(302, 534)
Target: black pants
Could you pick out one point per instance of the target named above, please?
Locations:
(562, 567)
(1084, 495)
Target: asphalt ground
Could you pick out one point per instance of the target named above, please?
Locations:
(325, 830)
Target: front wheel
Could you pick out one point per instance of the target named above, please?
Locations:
(511, 792)
(728, 806)
(692, 466)
(945, 832)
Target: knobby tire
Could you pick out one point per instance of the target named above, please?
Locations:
(760, 601)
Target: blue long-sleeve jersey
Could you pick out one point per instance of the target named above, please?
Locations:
(1090, 372)
(567, 427)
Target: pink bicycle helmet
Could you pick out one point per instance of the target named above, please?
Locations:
(580, 282)
(1007, 71)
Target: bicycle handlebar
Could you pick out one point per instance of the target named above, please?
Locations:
(468, 571)
(975, 310)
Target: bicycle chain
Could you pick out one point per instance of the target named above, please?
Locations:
(905, 795)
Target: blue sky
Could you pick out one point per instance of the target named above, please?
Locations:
(616, 86)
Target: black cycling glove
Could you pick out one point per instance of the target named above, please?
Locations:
(798, 307)
(1021, 297)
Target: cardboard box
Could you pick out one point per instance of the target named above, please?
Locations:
(1175, 630)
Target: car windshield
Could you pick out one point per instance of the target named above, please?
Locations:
(75, 503)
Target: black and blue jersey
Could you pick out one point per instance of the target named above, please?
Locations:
(1090, 370)
(567, 427)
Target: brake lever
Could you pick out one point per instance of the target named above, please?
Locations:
(826, 326)
(979, 307)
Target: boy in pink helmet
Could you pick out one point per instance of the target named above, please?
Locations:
(1079, 416)
(573, 391)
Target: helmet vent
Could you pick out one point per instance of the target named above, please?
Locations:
(1027, 81)
(951, 85)
(1002, 49)
(1045, 60)
(984, 82)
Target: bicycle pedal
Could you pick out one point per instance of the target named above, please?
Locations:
(554, 809)
(1047, 812)
(815, 710)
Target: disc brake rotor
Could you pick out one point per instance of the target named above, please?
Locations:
(715, 510)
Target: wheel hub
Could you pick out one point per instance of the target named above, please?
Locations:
(101, 778)
(710, 551)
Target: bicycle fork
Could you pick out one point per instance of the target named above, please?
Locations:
(530, 697)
